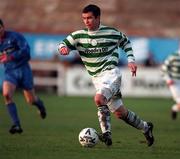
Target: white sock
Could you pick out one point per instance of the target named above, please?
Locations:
(175, 108)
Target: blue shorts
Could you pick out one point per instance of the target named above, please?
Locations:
(22, 77)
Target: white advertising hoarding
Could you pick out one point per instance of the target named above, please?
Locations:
(78, 82)
(147, 83)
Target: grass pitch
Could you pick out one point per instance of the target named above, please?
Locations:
(56, 137)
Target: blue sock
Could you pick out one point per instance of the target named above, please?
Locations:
(13, 113)
(39, 104)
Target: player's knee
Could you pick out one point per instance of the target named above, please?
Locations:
(30, 101)
(99, 99)
(121, 113)
(118, 114)
(7, 97)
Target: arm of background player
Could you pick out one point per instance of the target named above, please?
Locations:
(166, 71)
(23, 49)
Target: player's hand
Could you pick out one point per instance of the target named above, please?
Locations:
(170, 82)
(4, 57)
(64, 50)
(132, 66)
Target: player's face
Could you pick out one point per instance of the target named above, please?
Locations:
(90, 21)
(1, 31)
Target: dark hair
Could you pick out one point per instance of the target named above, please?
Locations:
(92, 8)
(1, 22)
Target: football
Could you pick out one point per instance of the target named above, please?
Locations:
(88, 137)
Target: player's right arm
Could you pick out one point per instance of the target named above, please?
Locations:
(63, 49)
(67, 45)
(166, 71)
(5, 55)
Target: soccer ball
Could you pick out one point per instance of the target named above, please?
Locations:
(88, 137)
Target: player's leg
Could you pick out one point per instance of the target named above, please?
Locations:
(174, 110)
(32, 99)
(131, 118)
(175, 90)
(106, 85)
(104, 118)
(8, 91)
(29, 93)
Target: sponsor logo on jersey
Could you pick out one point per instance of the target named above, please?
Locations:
(96, 50)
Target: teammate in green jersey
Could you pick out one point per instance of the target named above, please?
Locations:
(171, 73)
(98, 48)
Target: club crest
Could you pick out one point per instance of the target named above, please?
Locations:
(93, 42)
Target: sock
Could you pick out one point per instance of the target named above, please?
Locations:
(104, 118)
(13, 113)
(39, 104)
(135, 121)
(175, 108)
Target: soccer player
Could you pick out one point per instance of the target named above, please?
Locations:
(15, 54)
(171, 73)
(98, 47)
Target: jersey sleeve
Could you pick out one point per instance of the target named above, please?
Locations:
(68, 42)
(166, 69)
(125, 45)
(22, 50)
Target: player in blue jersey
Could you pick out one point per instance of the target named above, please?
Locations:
(15, 55)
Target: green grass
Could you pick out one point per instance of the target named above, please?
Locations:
(56, 137)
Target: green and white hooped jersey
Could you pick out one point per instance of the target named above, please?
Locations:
(171, 67)
(99, 49)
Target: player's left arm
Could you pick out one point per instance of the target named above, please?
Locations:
(125, 44)
(22, 50)
(133, 67)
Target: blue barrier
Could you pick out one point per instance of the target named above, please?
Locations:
(44, 47)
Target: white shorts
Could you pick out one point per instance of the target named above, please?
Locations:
(175, 90)
(108, 84)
